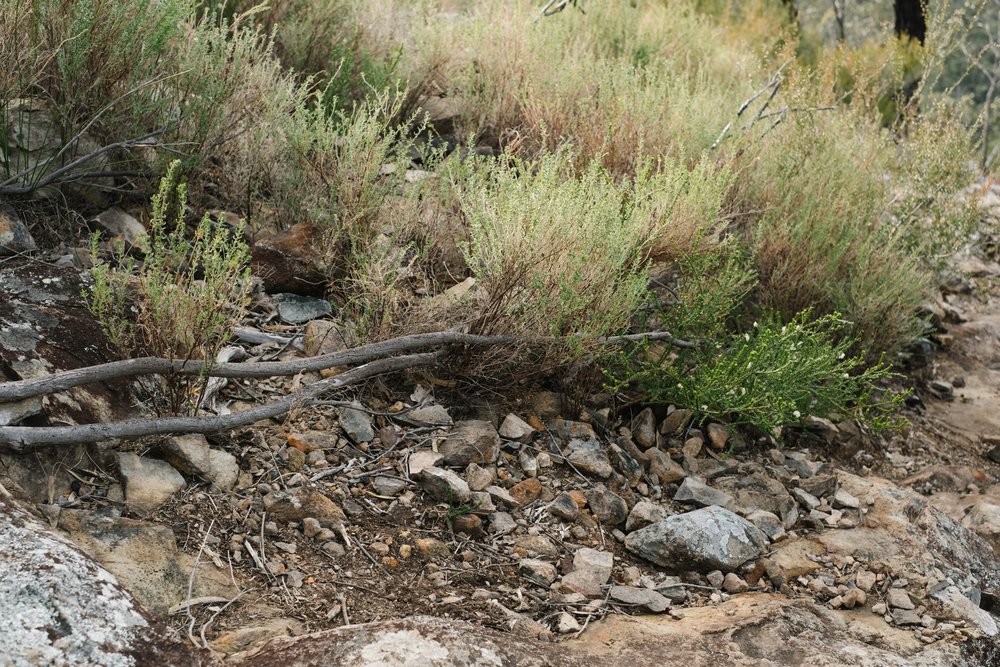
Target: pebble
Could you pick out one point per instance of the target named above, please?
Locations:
(564, 507)
(566, 624)
(609, 508)
(694, 491)
(732, 583)
(899, 599)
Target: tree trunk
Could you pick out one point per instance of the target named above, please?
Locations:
(910, 19)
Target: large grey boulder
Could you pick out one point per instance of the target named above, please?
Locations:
(708, 539)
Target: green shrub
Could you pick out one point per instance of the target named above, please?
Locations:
(771, 376)
(183, 299)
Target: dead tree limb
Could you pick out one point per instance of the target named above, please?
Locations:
(21, 389)
(26, 438)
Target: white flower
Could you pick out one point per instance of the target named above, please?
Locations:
(754, 325)
(747, 336)
(704, 408)
(796, 414)
(680, 386)
(743, 391)
(840, 356)
(847, 376)
(749, 364)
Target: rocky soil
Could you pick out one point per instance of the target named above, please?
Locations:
(409, 524)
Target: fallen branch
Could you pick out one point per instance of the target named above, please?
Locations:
(24, 438)
(22, 389)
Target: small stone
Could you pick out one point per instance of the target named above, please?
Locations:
(470, 524)
(591, 570)
(571, 430)
(899, 599)
(566, 624)
(148, 483)
(640, 597)
(334, 549)
(715, 578)
(854, 597)
(419, 460)
(473, 441)
(806, 499)
(905, 617)
(444, 485)
(842, 499)
(295, 459)
(537, 545)
(428, 415)
(501, 495)
(515, 428)
(675, 421)
(310, 527)
(663, 467)
(879, 608)
(293, 507)
(625, 463)
(526, 491)
(356, 424)
(718, 436)
(191, 454)
(529, 464)
(405, 551)
(644, 429)
(297, 309)
(502, 523)
(537, 571)
(478, 477)
(588, 456)
(768, 522)
(564, 507)
(865, 580)
(428, 547)
(482, 501)
(609, 508)
(693, 491)
(643, 514)
(14, 235)
(388, 486)
(692, 447)
(732, 583)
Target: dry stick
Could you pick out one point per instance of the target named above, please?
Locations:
(23, 438)
(21, 389)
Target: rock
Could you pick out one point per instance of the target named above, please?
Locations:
(718, 436)
(470, 524)
(144, 557)
(192, 455)
(120, 224)
(715, 578)
(62, 608)
(564, 507)
(14, 413)
(768, 523)
(482, 502)
(591, 570)
(527, 491)
(421, 459)
(430, 548)
(757, 491)
(644, 429)
(807, 500)
(692, 447)
(984, 520)
(707, 539)
(609, 508)
(956, 478)
(501, 495)
(297, 309)
(675, 421)
(640, 597)
(478, 477)
(566, 624)
(294, 506)
(732, 583)
(538, 545)
(570, 430)
(428, 415)
(296, 460)
(842, 499)
(311, 527)
(854, 597)
(148, 483)
(529, 464)
(865, 580)
(502, 523)
(819, 486)
(515, 428)
(663, 467)
(14, 235)
(243, 639)
(693, 491)
(287, 262)
(962, 607)
(356, 424)
(801, 466)
(327, 337)
(471, 441)
(905, 617)
(537, 571)
(589, 457)
(388, 486)
(625, 463)
(643, 514)
(444, 485)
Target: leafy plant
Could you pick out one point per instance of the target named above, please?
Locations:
(183, 299)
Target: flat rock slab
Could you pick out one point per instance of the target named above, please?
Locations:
(708, 539)
(296, 309)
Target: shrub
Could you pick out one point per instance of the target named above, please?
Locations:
(771, 376)
(185, 297)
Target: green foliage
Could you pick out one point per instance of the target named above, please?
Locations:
(185, 297)
(772, 375)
